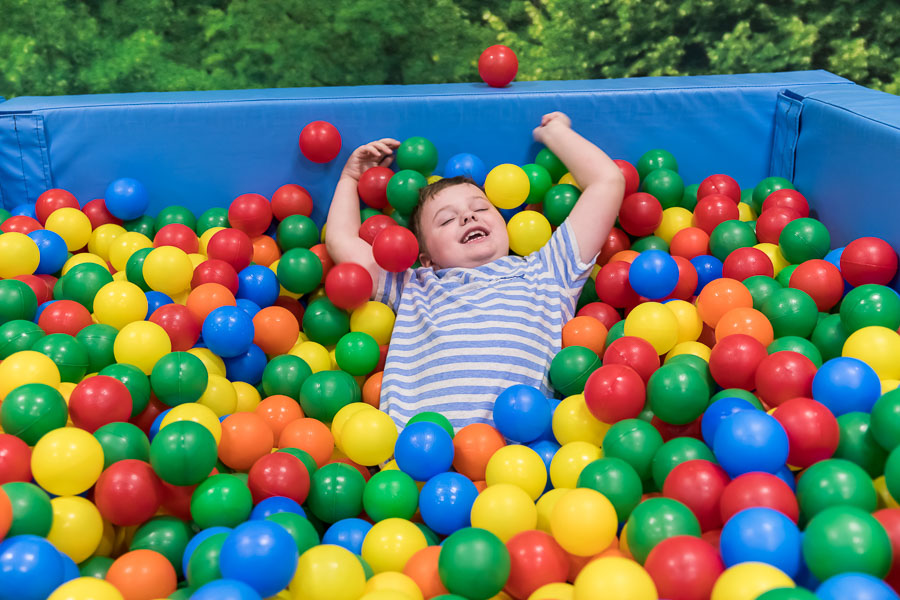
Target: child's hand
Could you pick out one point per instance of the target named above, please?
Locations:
(549, 123)
(374, 154)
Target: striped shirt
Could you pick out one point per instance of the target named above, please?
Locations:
(462, 335)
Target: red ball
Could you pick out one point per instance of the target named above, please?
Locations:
(616, 241)
(42, 291)
(145, 419)
(216, 271)
(176, 499)
(714, 209)
(278, 474)
(53, 200)
(633, 352)
(601, 311)
(784, 375)
(890, 520)
(613, 287)
(632, 179)
(734, 360)
(498, 65)
(684, 568)
(687, 279)
(251, 213)
(866, 260)
(348, 285)
(536, 559)
(640, 214)
(179, 323)
(233, 246)
(98, 214)
(786, 198)
(812, 430)
(720, 184)
(698, 484)
(320, 141)
(98, 401)
(752, 490)
(64, 316)
(128, 492)
(372, 186)
(371, 227)
(821, 280)
(770, 223)
(747, 262)
(15, 459)
(615, 392)
(668, 431)
(395, 249)
(291, 199)
(178, 235)
(291, 304)
(20, 224)
(689, 243)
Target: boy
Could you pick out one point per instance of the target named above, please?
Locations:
(473, 321)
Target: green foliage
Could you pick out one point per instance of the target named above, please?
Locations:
(50, 47)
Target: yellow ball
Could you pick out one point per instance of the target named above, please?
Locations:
(749, 580)
(168, 269)
(85, 257)
(120, 303)
(774, 253)
(206, 236)
(328, 572)
(583, 522)
(72, 225)
(694, 348)
(247, 397)
(614, 578)
(368, 437)
(674, 220)
(391, 543)
(67, 461)
(507, 186)
(545, 506)
(690, 325)
(213, 363)
(314, 354)
(745, 212)
(103, 237)
(24, 367)
(654, 323)
(141, 344)
(569, 179)
(19, 255)
(519, 465)
(432, 178)
(573, 422)
(77, 527)
(569, 461)
(889, 384)
(219, 396)
(121, 248)
(885, 500)
(391, 581)
(877, 346)
(196, 259)
(504, 510)
(374, 318)
(342, 416)
(528, 232)
(196, 413)
(554, 591)
(86, 588)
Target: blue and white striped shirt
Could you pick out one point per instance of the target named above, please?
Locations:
(462, 336)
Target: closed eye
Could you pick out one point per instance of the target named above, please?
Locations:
(447, 222)
(481, 210)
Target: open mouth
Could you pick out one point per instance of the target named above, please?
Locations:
(473, 235)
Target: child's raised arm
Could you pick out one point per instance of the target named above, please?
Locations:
(342, 232)
(600, 179)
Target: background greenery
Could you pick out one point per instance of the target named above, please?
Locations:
(50, 47)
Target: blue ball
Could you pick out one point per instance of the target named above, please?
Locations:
(855, 586)
(226, 589)
(259, 284)
(546, 449)
(248, 306)
(196, 540)
(248, 367)
(446, 502)
(761, 535)
(423, 450)
(40, 309)
(228, 331)
(786, 475)
(653, 274)
(845, 384)
(30, 568)
(52, 247)
(466, 164)
(834, 257)
(26, 209)
(276, 504)
(70, 569)
(719, 411)
(548, 432)
(126, 198)
(261, 554)
(708, 268)
(347, 533)
(155, 300)
(157, 424)
(750, 440)
(521, 413)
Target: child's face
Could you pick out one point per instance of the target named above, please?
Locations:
(461, 228)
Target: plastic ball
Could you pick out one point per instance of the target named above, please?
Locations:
(835, 482)
(19, 254)
(142, 574)
(821, 280)
(653, 274)
(536, 560)
(126, 198)
(868, 260)
(228, 331)
(612, 285)
(507, 186)
(336, 492)
(32, 410)
(261, 554)
(785, 375)
(474, 563)
(291, 199)
(855, 586)
(634, 441)
(713, 209)
(521, 413)
(498, 65)
(98, 401)
(251, 213)
(32, 567)
(423, 450)
(472, 167)
(845, 385)
(393, 493)
(369, 437)
(829, 547)
(168, 269)
(747, 581)
(141, 344)
(684, 567)
(657, 519)
(677, 393)
(528, 232)
(762, 535)
(348, 285)
(417, 154)
(615, 392)
(67, 461)
(720, 296)
(640, 214)
(804, 239)
(665, 185)
(735, 359)
(395, 249)
(320, 141)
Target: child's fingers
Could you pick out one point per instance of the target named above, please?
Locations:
(386, 161)
(383, 148)
(391, 142)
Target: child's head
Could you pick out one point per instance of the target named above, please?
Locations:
(457, 226)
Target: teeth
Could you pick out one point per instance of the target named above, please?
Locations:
(473, 235)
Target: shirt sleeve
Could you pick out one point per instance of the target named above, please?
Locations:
(561, 258)
(390, 287)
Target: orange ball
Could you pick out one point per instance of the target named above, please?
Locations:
(327, 262)
(422, 567)
(142, 575)
(719, 296)
(748, 321)
(480, 485)
(206, 298)
(690, 242)
(585, 331)
(265, 250)
(246, 437)
(5, 514)
(474, 445)
(277, 411)
(275, 330)
(371, 392)
(310, 435)
(624, 255)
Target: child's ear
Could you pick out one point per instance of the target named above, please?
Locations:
(425, 260)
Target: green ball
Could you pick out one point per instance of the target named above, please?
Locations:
(829, 336)
(650, 242)
(95, 566)
(588, 294)
(417, 154)
(390, 494)
(728, 236)
(212, 217)
(299, 271)
(555, 167)
(326, 392)
(300, 528)
(18, 335)
(870, 305)
(357, 353)
(403, 190)
(540, 183)
(689, 198)
(760, 288)
(136, 382)
(433, 417)
(834, 482)
(697, 363)
(325, 323)
(656, 159)
(98, 339)
(32, 410)
(183, 453)
(134, 268)
(784, 275)
(886, 420)
(677, 393)
(615, 479)
(367, 212)
(655, 520)
(304, 456)
(175, 214)
(665, 185)
(4, 214)
(677, 451)
(17, 301)
(285, 375)
(791, 312)
(615, 332)
(795, 593)
(164, 534)
(122, 441)
(69, 355)
(221, 500)
(766, 187)
(804, 239)
(559, 202)
(858, 444)
(474, 563)
(794, 343)
(297, 231)
(401, 219)
(634, 441)
(738, 393)
(182, 593)
(32, 512)
(203, 566)
(570, 369)
(336, 492)
(179, 378)
(845, 539)
(82, 282)
(431, 537)
(145, 225)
